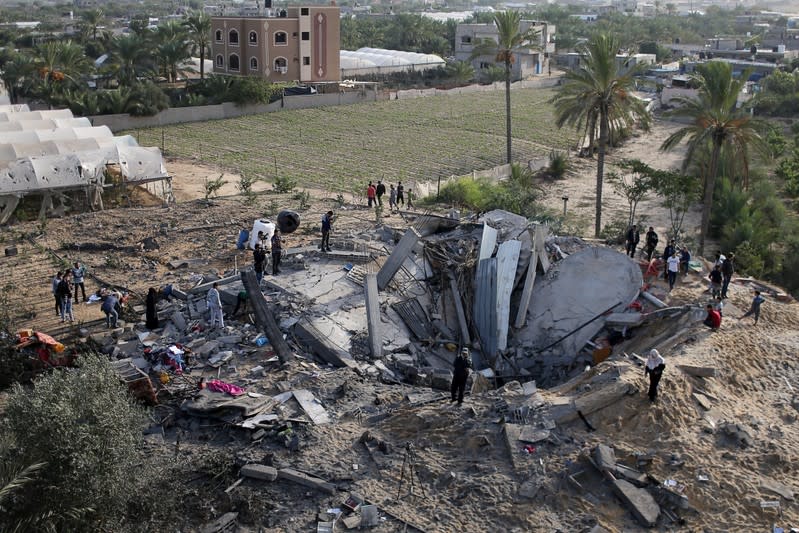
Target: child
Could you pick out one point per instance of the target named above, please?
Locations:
(66, 308)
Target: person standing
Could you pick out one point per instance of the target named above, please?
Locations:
(258, 262)
(685, 260)
(109, 307)
(151, 321)
(54, 283)
(371, 192)
(215, 307)
(392, 199)
(460, 375)
(632, 240)
(673, 266)
(327, 226)
(668, 251)
(380, 190)
(78, 273)
(713, 318)
(754, 309)
(277, 251)
(651, 243)
(63, 291)
(715, 281)
(655, 364)
(400, 194)
(241, 301)
(410, 198)
(727, 270)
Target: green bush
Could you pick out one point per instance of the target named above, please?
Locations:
(284, 184)
(252, 90)
(558, 164)
(86, 429)
(748, 260)
(516, 194)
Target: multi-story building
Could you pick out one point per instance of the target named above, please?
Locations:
(291, 44)
(529, 60)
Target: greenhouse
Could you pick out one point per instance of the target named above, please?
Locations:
(370, 61)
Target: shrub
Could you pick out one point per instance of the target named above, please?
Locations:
(558, 164)
(252, 90)
(83, 425)
(748, 260)
(284, 184)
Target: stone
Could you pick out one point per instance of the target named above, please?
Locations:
(294, 476)
(179, 321)
(256, 471)
(129, 348)
(150, 244)
(229, 339)
(776, 487)
(352, 521)
(529, 489)
(639, 501)
(369, 516)
(207, 348)
(605, 458)
(698, 371)
(441, 379)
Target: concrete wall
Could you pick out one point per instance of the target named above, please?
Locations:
(180, 115)
(538, 82)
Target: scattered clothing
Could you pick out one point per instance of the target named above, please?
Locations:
(216, 385)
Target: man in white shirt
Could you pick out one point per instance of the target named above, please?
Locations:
(673, 266)
(215, 307)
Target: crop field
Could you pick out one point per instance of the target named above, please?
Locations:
(339, 148)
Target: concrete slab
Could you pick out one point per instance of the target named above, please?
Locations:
(639, 501)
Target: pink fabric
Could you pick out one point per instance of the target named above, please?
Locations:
(220, 386)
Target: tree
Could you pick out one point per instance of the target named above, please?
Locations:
(461, 71)
(198, 25)
(17, 72)
(84, 426)
(679, 192)
(598, 94)
(510, 39)
(171, 49)
(92, 19)
(127, 54)
(634, 185)
(60, 64)
(716, 124)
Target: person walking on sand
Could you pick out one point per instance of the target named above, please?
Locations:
(713, 318)
(78, 273)
(327, 225)
(715, 281)
(727, 270)
(754, 309)
(54, 284)
(461, 373)
(400, 194)
(277, 252)
(151, 314)
(632, 240)
(651, 243)
(655, 364)
(63, 291)
(371, 193)
(673, 267)
(380, 190)
(215, 307)
(392, 199)
(258, 262)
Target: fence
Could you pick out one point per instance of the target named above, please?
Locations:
(427, 188)
(496, 86)
(180, 115)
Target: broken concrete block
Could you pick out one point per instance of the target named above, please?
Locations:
(441, 379)
(529, 489)
(292, 475)
(207, 348)
(177, 293)
(776, 487)
(256, 471)
(605, 458)
(369, 516)
(179, 321)
(639, 501)
(229, 339)
(352, 521)
(226, 522)
(698, 371)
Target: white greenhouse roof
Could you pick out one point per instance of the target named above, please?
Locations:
(379, 57)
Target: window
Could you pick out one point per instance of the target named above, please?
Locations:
(466, 39)
(218, 36)
(233, 62)
(306, 36)
(281, 37)
(220, 61)
(304, 11)
(253, 38)
(281, 65)
(306, 60)
(253, 63)
(233, 37)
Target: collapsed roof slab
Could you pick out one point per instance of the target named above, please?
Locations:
(576, 290)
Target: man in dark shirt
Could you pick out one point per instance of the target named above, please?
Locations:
(327, 225)
(400, 194)
(651, 243)
(727, 270)
(461, 373)
(633, 238)
(380, 190)
(259, 260)
(277, 251)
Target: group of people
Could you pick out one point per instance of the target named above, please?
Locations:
(396, 195)
(62, 286)
(259, 254)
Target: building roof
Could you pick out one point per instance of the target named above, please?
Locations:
(378, 57)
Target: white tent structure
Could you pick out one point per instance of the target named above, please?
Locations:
(366, 61)
(51, 153)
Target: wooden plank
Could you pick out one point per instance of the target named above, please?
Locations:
(456, 298)
(527, 292)
(311, 406)
(507, 259)
(487, 242)
(373, 315)
(264, 317)
(397, 257)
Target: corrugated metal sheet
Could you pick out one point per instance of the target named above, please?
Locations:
(485, 308)
(507, 258)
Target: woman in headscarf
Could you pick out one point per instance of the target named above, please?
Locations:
(152, 315)
(654, 367)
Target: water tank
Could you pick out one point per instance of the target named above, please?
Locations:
(264, 225)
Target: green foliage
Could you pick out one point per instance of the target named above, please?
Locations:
(244, 186)
(213, 186)
(788, 171)
(284, 184)
(748, 260)
(615, 231)
(303, 199)
(516, 194)
(558, 164)
(252, 90)
(776, 142)
(460, 71)
(82, 424)
(633, 185)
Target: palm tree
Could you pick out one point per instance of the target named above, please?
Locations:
(598, 93)
(127, 53)
(17, 73)
(92, 20)
(199, 26)
(172, 48)
(717, 126)
(510, 39)
(461, 71)
(60, 63)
